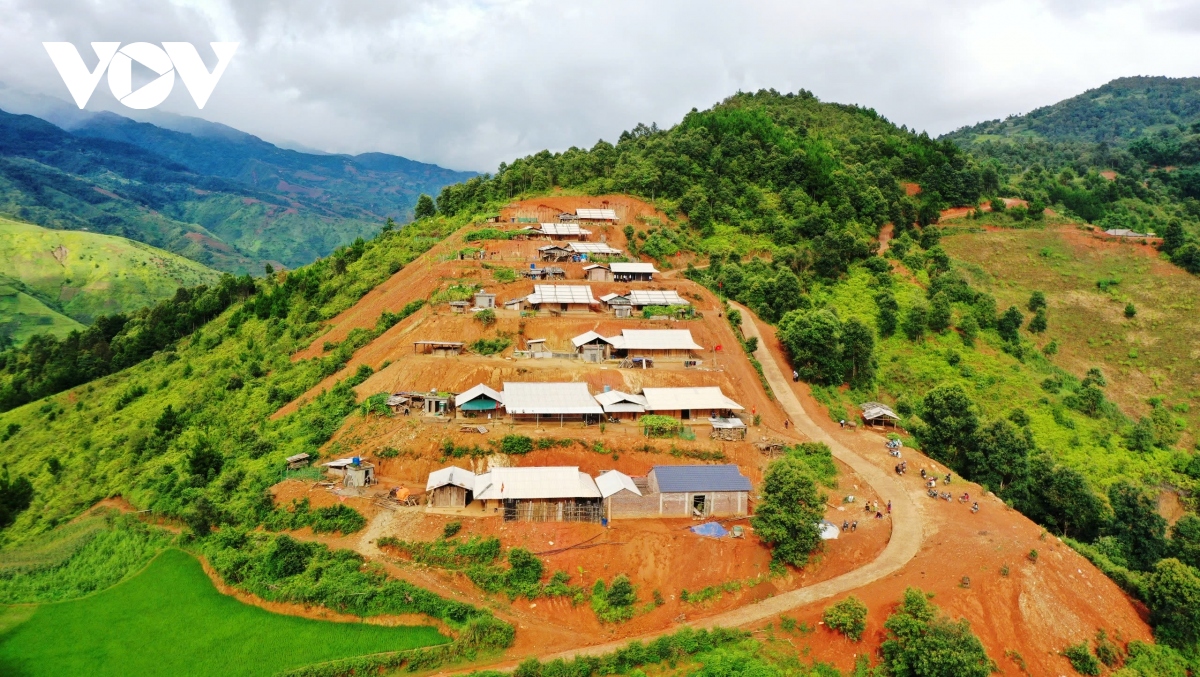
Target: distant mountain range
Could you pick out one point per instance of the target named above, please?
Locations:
(1117, 113)
(203, 190)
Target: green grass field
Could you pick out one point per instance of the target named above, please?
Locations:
(83, 274)
(22, 315)
(170, 620)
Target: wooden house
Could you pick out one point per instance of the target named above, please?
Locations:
(480, 400)
(658, 344)
(545, 494)
(632, 272)
(597, 272)
(450, 487)
(693, 403)
(540, 403)
(601, 216)
(561, 298)
(592, 347)
(621, 405)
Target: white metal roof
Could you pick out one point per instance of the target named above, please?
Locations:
(548, 247)
(657, 297)
(597, 214)
(609, 298)
(703, 397)
(874, 410)
(533, 483)
(550, 398)
(592, 248)
(615, 401)
(595, 265)
(613, 482)
(655, 339)
(618, 267)
(450, 476)
(481, 389)
(564, 229)
(588, 337)
(561, 293)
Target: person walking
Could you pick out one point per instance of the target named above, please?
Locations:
(889, 507)
(795, 376)
(854, 525)
(845, 525)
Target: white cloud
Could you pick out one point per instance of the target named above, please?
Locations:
(468, 84)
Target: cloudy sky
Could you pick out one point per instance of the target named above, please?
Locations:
(468, 84)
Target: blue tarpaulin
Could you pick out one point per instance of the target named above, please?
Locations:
(713, 529)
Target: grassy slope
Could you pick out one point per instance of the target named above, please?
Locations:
(22, 315)
(98, 274)
(147, 626)
(997, 382)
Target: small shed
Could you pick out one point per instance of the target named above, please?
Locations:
(618, 303)
(537, 348)
(592, 347)
(878, 414)
(450, 487)
(354, 471)
(438, 348)
(396, 402)
(623, 490)
(621, 405)
(633, 272)
(514, 304)
(597, 272)
(297, 461)
(555, 273)
(459, 306)
(479, 400)
(438, 404)
(485, 299)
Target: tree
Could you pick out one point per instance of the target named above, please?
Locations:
(1173, 237)
(1000, 456)
(1188, 258)
(1173, 595)
(425, 207)
(848, 617)
(968, 328)
(921, 643)
(1009, 324)
(889, 313)
(15, 496)
(790, 511)
(1037, 325)
(1036, 300)
(814, 340)
(1141, 436)
(949, 424)
(858, 352)
(621, 592)
(525, 569)
(1062, 499)
(205, 461)
(937, 260)
(1185, 540)
(1136, 525)
(916, 320)
(486, 317)
(1130, 311)
(939, 313)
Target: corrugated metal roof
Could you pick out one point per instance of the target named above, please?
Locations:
(534, 483)
(588, 337)
(550, 398)
(597, 214)
(561, 293)
(450, 476)
(564, 229)
(701, 397)
(595, 266)
(655, 339)
(673, 479)
(553, 246)
(615, 401)
(614, 481)
(592, 248)
(873, 410)
(657, 297)
(618, 267)
(619, 298)
(481, 389)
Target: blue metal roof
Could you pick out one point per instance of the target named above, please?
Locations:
(684, 478)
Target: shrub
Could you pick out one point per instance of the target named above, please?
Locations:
(486, 317)
(848, 617)
(1107, 650)
(1082, 659)
(451, 529)
(655, 425)
(922, 642)
(516, 445)
(485, 346)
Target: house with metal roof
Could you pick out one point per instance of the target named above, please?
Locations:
(665, 344)
(479, 400)
(596, 215)
(563, 231)
(618, 304)
(554, 252)
(597, 272)
(640, 298)
(592, 347)
(622, 405)
(550, 402)
(546, 494)
(628, 493)
(562, 298)
(593, 248)
(632, 272)
(690, 403)
(450, 487)
(697, 491)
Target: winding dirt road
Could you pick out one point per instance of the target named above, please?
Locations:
(905, 541)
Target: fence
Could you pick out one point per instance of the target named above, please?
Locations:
(545, 511)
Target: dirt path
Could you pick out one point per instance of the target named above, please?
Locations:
(905, 541)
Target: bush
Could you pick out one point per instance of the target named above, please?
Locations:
(789, 511)
(848, 617)
(516, 445)
(922, 642)
(1082, 659)
(485, 346)
(655, 425)
(486, 317)
(451, 529)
